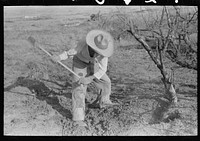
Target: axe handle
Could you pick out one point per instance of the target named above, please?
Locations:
(43, 49)
(69, 69)
(58, 61)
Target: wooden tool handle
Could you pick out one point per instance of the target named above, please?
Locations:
(34, 43)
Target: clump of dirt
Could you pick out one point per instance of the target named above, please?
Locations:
(172, 116)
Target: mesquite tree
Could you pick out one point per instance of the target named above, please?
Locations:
(172, 32)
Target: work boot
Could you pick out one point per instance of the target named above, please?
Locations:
(80, 123)
(107, 103)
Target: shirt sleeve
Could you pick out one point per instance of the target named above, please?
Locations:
(63, 56)
(103, 63)
(72, 51)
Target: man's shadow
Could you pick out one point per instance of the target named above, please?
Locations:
(42, 92)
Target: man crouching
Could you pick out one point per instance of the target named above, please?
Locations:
(90, 60)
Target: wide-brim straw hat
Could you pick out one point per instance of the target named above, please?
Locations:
(101, 41)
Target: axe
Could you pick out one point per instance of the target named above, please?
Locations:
(35, 44)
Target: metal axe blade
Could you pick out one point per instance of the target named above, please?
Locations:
(31, 40)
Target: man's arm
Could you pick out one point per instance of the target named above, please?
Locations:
(103, 63)
(65, 54)
(102, 70)
(72, 51)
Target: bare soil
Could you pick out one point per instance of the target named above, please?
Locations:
(37, 92)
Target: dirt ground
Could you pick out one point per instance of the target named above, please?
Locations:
(37, 92)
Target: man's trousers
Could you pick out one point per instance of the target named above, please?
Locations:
(79, 90)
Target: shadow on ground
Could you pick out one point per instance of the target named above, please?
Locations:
(161, 107)
(43, 93)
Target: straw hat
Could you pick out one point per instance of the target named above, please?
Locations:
(101, 41)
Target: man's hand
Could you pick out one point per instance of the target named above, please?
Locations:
(55, 58)
(86, 80)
